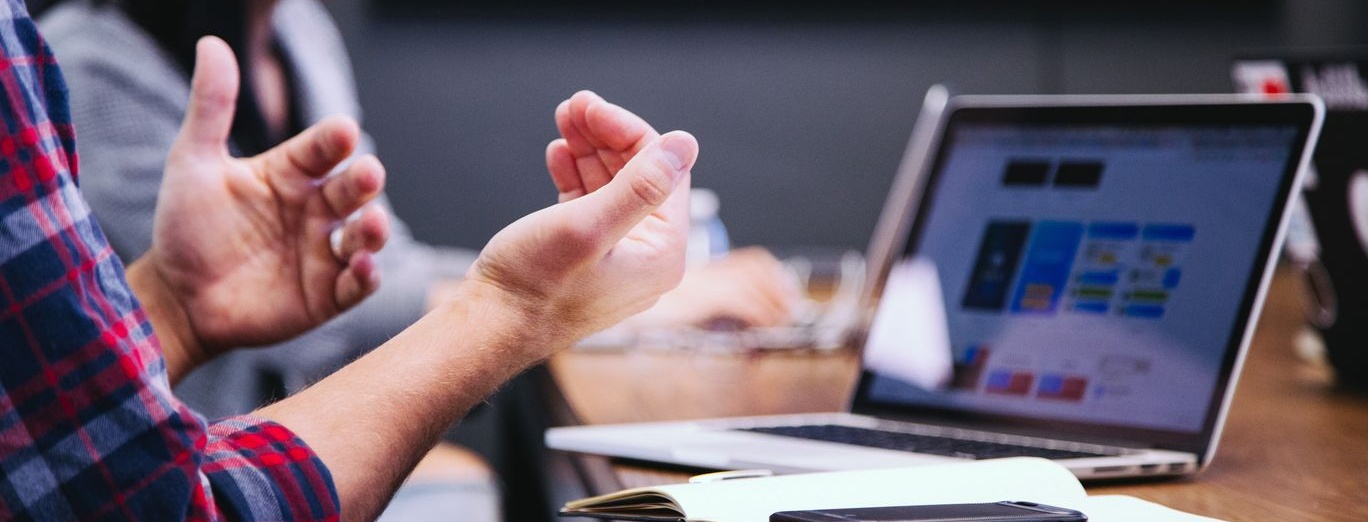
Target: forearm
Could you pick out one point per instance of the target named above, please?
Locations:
(373, 420)
(168, 318)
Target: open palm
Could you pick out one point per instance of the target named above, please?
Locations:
(243, 244)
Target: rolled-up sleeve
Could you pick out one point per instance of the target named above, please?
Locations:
(259, 470)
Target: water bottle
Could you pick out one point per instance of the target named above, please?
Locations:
(707, 235)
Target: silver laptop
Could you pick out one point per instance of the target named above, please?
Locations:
(1075, 278)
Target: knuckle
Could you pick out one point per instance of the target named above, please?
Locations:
(320, 147)
(652, 185)
(210, 97)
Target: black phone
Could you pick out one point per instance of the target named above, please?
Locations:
(1008, 511)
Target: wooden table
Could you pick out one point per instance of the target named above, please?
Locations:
(1294, 448)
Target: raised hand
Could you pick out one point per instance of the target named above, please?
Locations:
(241, 247)
(750, 287)
(615, 241)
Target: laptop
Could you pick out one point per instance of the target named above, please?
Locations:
(1082, 277)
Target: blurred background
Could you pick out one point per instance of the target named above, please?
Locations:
(802, 112)
(802, 109)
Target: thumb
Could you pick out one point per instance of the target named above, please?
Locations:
(644, 185)
(213, 98)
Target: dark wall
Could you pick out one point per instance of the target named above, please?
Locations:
(802, 114)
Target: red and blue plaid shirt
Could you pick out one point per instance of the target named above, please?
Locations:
(89, 428)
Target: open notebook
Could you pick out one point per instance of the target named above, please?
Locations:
(754, 499)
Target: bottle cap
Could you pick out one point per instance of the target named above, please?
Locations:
(703, 204)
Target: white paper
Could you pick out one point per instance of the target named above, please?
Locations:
(909, 339)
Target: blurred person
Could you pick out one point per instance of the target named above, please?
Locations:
(127, 62)
(242, 253)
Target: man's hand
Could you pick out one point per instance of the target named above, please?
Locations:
(749, 287)
(615, 241)
(241, 252)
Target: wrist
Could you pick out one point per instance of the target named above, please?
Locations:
(521, 324)
(175, 333)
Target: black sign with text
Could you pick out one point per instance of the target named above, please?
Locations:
(1334, 245)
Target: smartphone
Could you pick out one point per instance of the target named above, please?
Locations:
(1009, 511)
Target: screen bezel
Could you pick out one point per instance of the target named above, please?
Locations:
(1300, 112)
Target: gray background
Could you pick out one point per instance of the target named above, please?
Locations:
(802, 113)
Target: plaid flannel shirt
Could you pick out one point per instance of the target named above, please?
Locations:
(89, 428)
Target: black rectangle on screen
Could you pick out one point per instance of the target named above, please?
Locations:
(1026, 173)
(1079, 174)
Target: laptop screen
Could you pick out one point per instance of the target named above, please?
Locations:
(1093, 272)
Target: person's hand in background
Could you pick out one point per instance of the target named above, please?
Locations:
(746, 288)
(241, 252)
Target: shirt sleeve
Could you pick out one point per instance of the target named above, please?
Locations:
(259, 470)
(89, 428)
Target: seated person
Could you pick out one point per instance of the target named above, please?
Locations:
(241, 255)
(127, 63)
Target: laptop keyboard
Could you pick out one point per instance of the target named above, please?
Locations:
(931, 444)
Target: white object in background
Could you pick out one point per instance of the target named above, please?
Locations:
(1262, 77)
(1301, 244)
(707, 236)
(909, 339)
(1358, 206)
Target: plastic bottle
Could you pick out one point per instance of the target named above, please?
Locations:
(707, 235)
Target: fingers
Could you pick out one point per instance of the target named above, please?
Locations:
(582, 147)
(292, 167)
(744, 306)
(755, 286)
(358, 280)
(620, 135)
(572, 125)
(359, 184)
(213, 98)
(362, 237)
(617, 129)
(646, 184)
(754, 311)
(594, 125)
(769, 284)
(367, 232)
(600, 136)
(560, 162)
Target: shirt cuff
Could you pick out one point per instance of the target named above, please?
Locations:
(260, 470)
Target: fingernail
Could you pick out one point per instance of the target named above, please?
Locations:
(678, 152)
